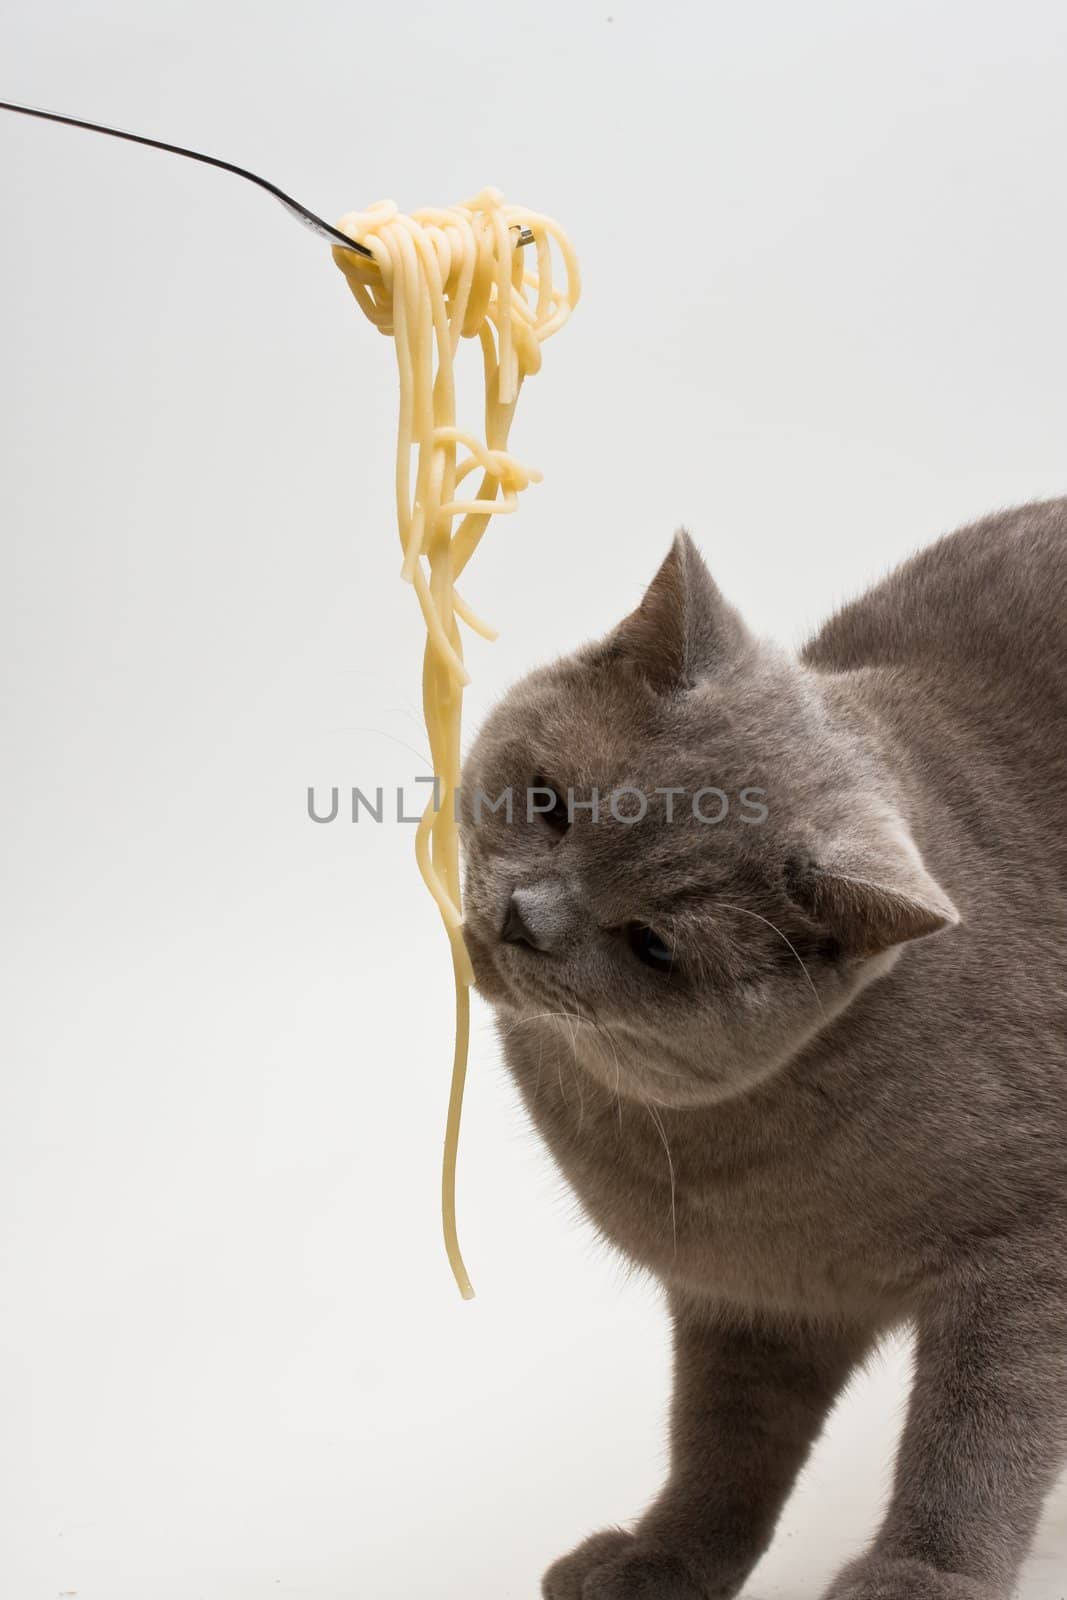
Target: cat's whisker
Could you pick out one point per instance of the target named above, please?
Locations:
(605, 1033)
(661, 1130)
(559, 1076)
(744, 911)
(574, 1019)
(674, 945)
(577, 1076)
(570, 1018)
(536, 1016)
(383, 733)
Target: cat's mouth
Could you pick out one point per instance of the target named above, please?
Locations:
(509, 974)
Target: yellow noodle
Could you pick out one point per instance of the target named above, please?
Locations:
(436, 276)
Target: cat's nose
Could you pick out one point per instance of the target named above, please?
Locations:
(529, 920)
(515, 928)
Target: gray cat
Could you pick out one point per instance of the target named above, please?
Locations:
(805, 1059)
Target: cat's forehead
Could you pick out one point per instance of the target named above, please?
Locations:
(596, 718)
(665, 856)
(573, 724)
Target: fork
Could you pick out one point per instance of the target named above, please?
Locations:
(294, 207)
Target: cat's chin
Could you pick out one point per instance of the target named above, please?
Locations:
(638, 1072)
(628, 1062)
(682, 1057)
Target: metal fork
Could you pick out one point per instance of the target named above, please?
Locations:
(294, 207)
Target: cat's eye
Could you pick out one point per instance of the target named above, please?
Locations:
(649, 948)
(554, 816)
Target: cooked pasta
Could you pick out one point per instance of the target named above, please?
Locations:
(438, 276)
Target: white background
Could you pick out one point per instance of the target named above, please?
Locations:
(825, 250)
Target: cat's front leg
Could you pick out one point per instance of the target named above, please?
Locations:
(986, 1432)
(748, 1403)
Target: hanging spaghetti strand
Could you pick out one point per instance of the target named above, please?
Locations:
(432, 278)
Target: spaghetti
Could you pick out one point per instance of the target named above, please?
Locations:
(438, 276)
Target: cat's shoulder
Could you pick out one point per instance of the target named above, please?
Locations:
(988, 589)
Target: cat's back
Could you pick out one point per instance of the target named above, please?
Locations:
(989, 600)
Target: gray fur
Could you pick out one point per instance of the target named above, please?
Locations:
(844, 1107)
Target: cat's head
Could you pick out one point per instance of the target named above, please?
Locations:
(706, 934)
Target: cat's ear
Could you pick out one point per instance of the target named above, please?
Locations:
(683, 629)
(870, 890)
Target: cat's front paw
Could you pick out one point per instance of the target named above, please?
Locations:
(615, 1565)
(564, 1578)
(881, 1578)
